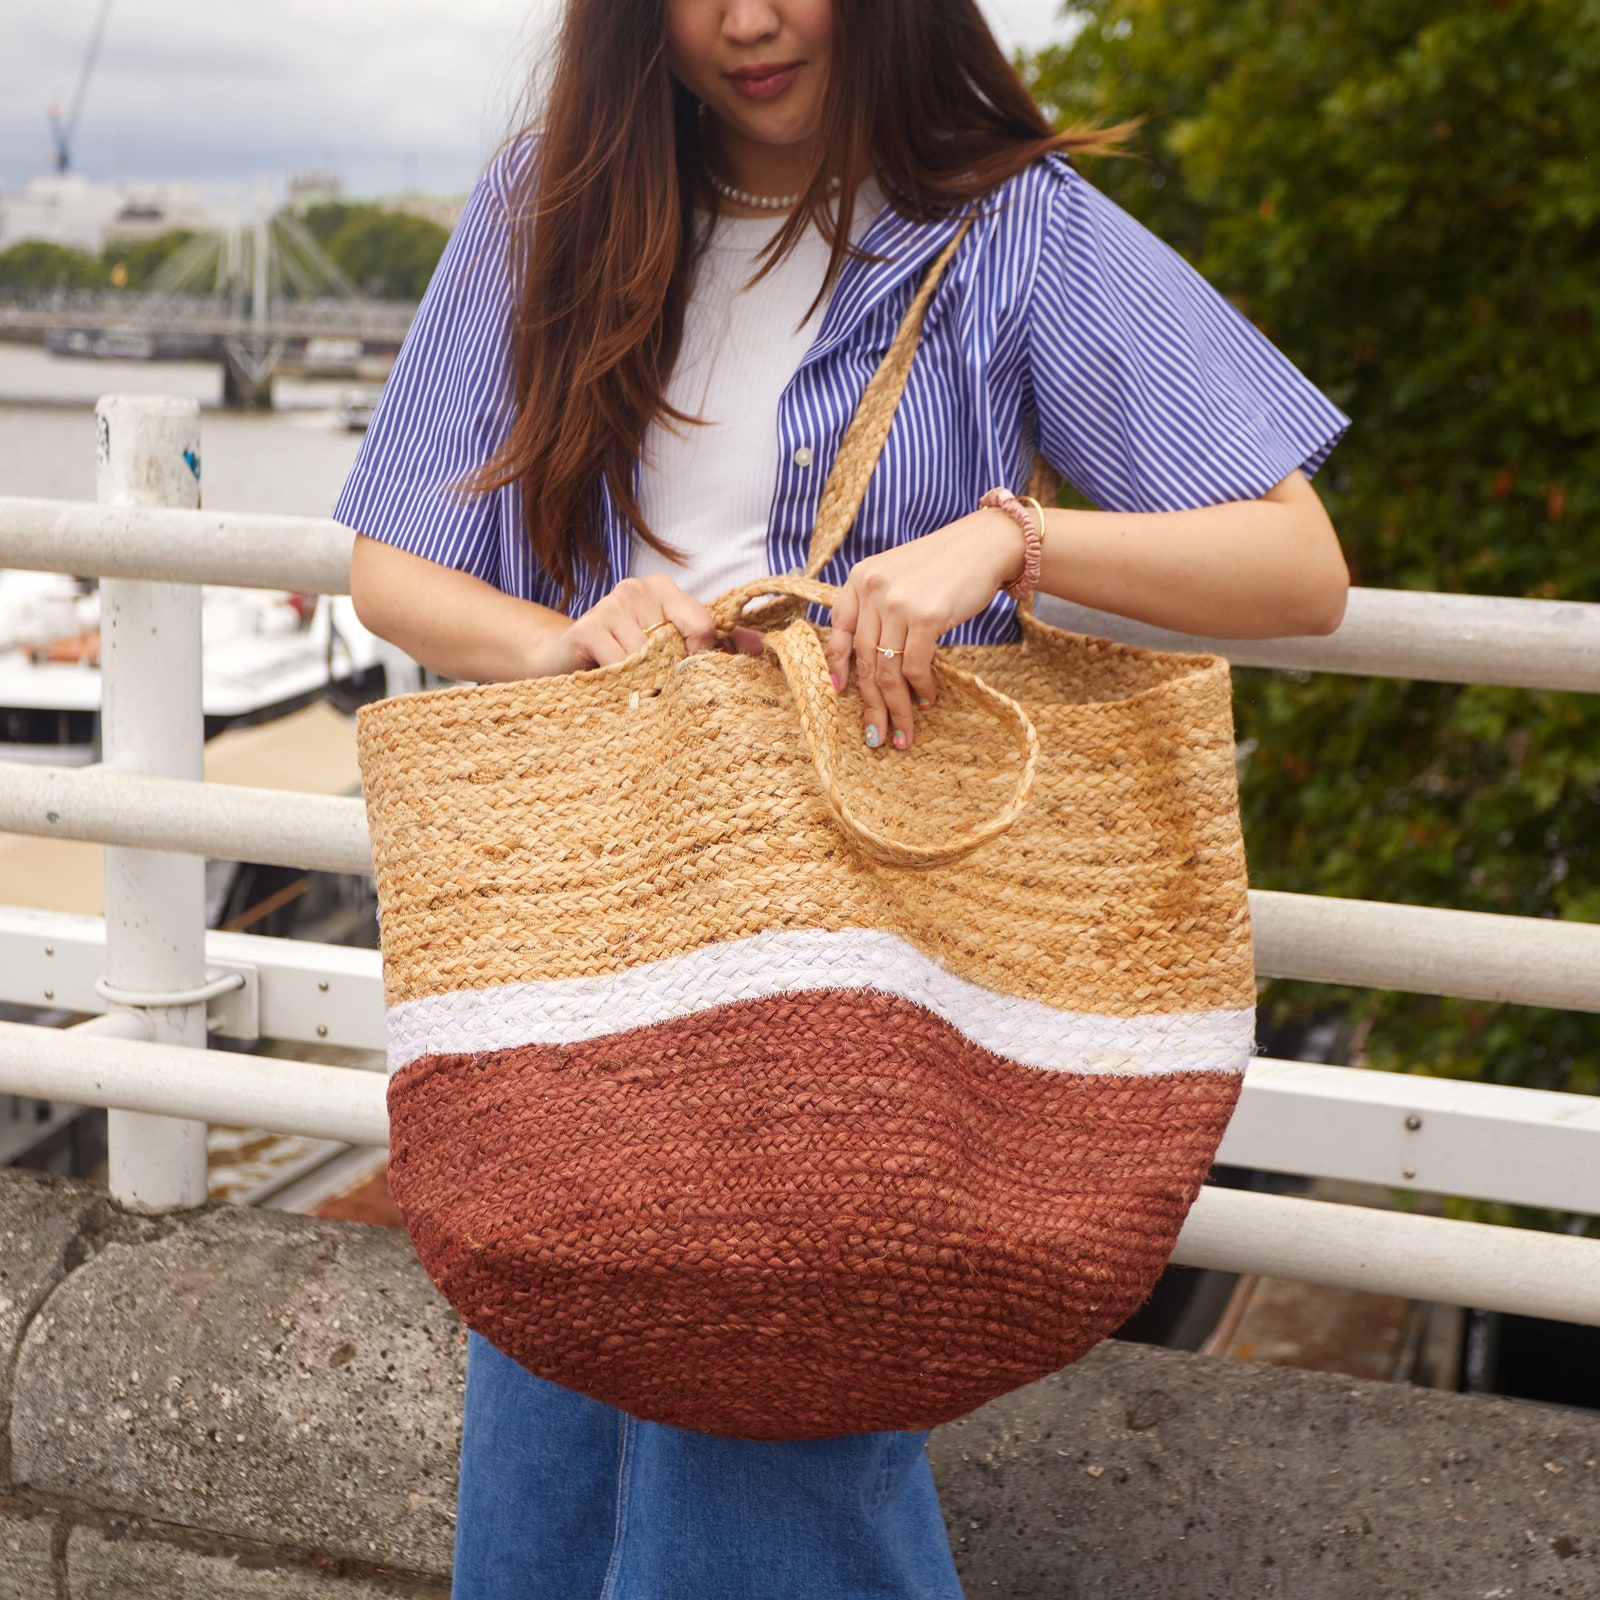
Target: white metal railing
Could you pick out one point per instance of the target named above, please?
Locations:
(177, 544)
(1448, 638)
(1471, 955)
(1401, 633)
(1381, 1252)
(1486, 1141)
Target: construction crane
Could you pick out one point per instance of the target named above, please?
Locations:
(65, 132)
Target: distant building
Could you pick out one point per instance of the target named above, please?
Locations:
(307, 189)
(71, 210)
(66, 210)
(151, 209)
(444, 209)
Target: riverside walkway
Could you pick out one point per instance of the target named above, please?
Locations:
(220, 1402)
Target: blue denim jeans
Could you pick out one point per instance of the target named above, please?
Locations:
(564, 1498)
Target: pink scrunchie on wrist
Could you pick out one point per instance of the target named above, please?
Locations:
(1026, 582)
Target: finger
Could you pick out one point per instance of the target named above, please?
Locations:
(604, 647)
(628, 632)
(841, 641)
(627, 612)
(751, 641)
(874, 713)
(893, 687)
(917, 664)
(688, 615)
(660, 599)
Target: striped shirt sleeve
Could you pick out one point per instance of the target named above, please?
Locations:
(447, 405)
(1152, 392)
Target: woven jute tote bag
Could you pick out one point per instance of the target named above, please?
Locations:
(765, 1085)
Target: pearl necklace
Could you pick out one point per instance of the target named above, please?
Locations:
(757, 202)
(760, 202)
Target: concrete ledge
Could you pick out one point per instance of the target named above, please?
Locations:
(27, 1556)
(111, 1565)
(41, 1226)
(1153, 1475)
(275, 1402)
(266, 1377)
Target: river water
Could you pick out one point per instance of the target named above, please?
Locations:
(293, 459)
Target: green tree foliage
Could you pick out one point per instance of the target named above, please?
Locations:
(1402, 196)
(325, 219)
(33, 265)
(389, 254)
(142, 259)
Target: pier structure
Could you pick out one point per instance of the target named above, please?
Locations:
(1285, 1483)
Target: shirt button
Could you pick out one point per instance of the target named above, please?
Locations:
(803, 456)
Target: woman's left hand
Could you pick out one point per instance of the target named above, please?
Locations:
(902, 600)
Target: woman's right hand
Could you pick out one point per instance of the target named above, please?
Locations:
(614, 627)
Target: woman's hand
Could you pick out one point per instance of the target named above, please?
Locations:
(903, 600)
(614, 627)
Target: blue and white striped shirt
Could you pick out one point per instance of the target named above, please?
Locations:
(1061, 324)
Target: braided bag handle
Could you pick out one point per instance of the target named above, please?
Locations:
(798, 648)
(800, 653)
(869, 426)
(863, 441)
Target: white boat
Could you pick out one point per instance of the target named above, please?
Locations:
(356, 407)
(265, 653)
(106, 344)
(332, 358)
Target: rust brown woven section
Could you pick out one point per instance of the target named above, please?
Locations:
(823, 1213)
(570, 826)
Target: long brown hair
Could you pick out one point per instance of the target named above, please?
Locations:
(604, 235)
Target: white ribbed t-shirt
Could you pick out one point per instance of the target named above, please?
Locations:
(707, 490)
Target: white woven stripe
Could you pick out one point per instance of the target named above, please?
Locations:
(571, 1010)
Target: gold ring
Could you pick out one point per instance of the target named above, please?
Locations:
(882, 652)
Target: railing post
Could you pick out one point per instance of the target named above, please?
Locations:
(152, 723)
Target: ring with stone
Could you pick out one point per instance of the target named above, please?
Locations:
(890, 653)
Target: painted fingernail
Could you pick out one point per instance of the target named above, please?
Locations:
(872, 738)
(833, 678)
(900, 739)
(923, 702)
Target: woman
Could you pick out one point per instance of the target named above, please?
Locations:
(622, 397)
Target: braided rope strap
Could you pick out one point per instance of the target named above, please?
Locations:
(795, 642)
(805, 667)
(863, 441)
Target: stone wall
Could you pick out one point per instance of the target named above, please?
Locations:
(223, 1404)
(239, 1405)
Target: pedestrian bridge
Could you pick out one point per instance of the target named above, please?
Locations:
(250, 297)
(226, 1403)
(31, 318)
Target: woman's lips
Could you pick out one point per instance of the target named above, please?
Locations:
(764, 83)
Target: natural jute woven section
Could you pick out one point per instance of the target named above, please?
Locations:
(580, 825)
(763, 1084)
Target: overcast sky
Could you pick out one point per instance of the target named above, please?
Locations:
(230, 93)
